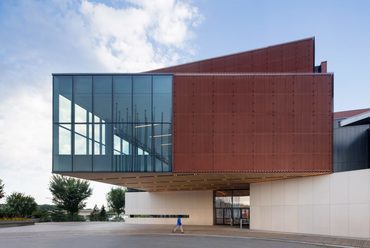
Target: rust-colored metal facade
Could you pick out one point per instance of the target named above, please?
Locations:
(255, 116)
(252, 122)
(264, 110)
(297, 56)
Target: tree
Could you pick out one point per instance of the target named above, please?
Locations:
(43, 212)
(94, 213)
(116, 200)
(21, 205)
(69, 193)
(102, 214)
(2, 194)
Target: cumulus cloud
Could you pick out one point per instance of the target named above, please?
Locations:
(148, 34)
(39, 38)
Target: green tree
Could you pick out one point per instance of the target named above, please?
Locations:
(58, 215)
(43, 212)
(116, 200)
(94, 213)
(69, 193)
(103, 214)
(21, 205)
(2, 194)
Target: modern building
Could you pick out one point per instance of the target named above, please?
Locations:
(248, 136)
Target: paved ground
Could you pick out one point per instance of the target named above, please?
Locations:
(112, 235)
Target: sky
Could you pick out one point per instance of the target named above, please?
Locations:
(41, 37)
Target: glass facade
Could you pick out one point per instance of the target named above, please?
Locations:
(231, 206)
(112, 123)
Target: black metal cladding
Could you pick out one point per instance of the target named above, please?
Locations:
(351, 147)
(112, 123)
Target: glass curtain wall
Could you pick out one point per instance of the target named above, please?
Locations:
(231, 206)
(111, 123)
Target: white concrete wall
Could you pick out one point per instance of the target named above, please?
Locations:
(337, 204)
(197, 204)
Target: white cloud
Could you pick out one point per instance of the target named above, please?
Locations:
(145, 35)
(39, 38)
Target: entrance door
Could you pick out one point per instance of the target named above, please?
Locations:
(231, 206)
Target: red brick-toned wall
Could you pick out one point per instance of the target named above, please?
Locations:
(297, 56)
(252, 122)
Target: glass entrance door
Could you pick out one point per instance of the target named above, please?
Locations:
(231, 206)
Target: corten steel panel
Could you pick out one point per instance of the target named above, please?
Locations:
(296, 56)
(324, 66)
(252, 123)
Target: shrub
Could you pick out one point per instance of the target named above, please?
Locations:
(20, 205)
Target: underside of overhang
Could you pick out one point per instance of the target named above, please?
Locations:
(187, 181)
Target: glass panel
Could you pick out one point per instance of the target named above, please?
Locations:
(223, 199)
(121, 133)
(62, 109)
(103, 147)
(64, 139)
(62, 159)
(241, 198)
(82, 159)
(236, 216)
(162, 98)
(219, 213)
(235, 205)
(142, 147)
(162, 141)
(245, 213)
(99, 139)
(122, 96)
(82, 98)
(103, 97)
(227, 216)
(142, 99)
(122, 158)
(241, 201)
(83, 139)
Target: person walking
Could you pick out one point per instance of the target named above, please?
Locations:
(178, 225)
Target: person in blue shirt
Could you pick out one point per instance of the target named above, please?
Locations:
(178, 225)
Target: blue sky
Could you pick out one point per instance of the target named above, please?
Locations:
(38, 38)
(341, 30)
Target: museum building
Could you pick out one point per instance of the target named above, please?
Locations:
(244, 137)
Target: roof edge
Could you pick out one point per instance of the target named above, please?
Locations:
(241, 52)
(354, 119)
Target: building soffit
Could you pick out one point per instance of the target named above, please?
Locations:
(156, 182)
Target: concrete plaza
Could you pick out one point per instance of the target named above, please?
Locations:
(111, 235)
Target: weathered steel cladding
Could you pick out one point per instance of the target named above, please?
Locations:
(295, 56)
(252, 123)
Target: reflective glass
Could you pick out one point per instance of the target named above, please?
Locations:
(83, 140)
(112, 123)
(82, 98)
(103, 97)
(103, 147)
(62, 109)
(122, 156)
(62, 159)
(162, 142)
(99, 136)
(162, 98)
(122, 98)
(142, 147)
(64, 145)
(142, 88)
(223, 199)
